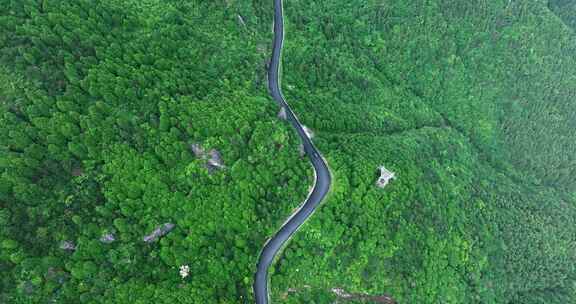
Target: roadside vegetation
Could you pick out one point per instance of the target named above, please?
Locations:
(471, 104)
(100, 105)
(110, 113)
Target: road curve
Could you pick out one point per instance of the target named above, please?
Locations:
(322, 174)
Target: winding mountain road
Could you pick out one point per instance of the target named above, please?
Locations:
(322, 174)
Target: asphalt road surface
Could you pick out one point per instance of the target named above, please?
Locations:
(322, 174)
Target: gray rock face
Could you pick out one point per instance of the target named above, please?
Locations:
(241, 21)
(282, 113)
(158, 232)
(197, 150)
(213, 158)
(301, 150)
(27, 288)
(107, 238)
(56, 276)
(341, 293)
(67, 245)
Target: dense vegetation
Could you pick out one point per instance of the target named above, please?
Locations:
(100, 104)
(469, 102)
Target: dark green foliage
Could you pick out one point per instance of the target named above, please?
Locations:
(565, 10)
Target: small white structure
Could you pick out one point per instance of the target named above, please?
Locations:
(184, 271)
(385, 177)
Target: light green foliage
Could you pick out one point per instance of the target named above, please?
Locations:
(470, 103)
(101, 102)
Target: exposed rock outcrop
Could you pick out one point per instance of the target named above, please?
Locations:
(301, 150)
(197, 150)
(107, 238)
(282, 113)
(56, 276)
(241, 21)
(158, 232)
(213, 158)
(343, 294)
(67, 245)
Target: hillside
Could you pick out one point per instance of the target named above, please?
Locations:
(472, 106)
(102, 103)
(138, 137)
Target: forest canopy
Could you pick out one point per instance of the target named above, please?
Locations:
(142, 161)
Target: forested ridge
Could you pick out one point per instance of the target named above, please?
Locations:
(102, 103)
(137, 137)
(471, 104)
